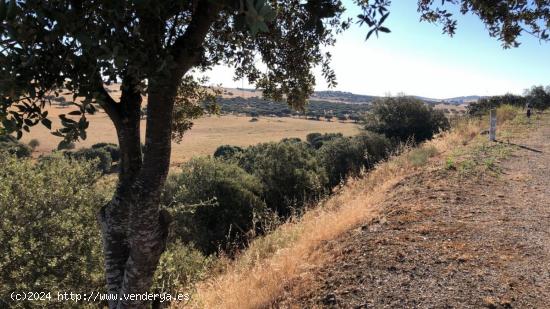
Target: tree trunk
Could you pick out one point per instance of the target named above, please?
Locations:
(134, 228)
(147, 225)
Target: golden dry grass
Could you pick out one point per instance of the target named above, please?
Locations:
(258, 277)
(206, 135)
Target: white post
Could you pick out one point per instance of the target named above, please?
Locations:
(493, 125)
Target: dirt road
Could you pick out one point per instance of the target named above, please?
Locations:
(448, 239)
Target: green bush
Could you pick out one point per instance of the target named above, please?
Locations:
(227, 151)
(340, 158)
(346, 156)
(215, 204)
(483, 105)
(179, 267)
(49, 240)
(111, 148)
(316, 140)
(375, 146)
(11, 145)
(66, 146)
(289, 171)
(101, 155)
(405, 118)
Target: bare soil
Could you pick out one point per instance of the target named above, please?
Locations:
(446, 239)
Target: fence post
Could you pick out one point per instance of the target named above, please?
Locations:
(493, 125)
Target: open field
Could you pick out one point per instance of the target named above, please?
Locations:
(207, 134)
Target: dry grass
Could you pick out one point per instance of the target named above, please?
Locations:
(260, 275)
(207, 134)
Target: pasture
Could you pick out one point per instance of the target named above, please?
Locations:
(206, 135)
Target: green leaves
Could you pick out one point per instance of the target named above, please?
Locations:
(7, 10)
(3, 10)
(257, 14)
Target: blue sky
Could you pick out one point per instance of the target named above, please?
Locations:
(417, 59)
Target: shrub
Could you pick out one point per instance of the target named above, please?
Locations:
(227, 151)
(66, 146)
(483, 105)
(404, 118)
(345, 156)
(101, 155)
(179, 267)
(49, 240)
(11, 145)
(216, 204)
(33, 143)
(505, 113)
(111, 148)
(290, 172)
(316, 140)
(340, 158)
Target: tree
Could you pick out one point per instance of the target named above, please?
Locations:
(403, 118)
(538, 97)
(33, 143)
(152, 48)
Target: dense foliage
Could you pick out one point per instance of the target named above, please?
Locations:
(289, 171)
(111, 148)
(227, 151)
(347, 156)
(100, 156)
(316, 140)
(216, 204)
(405, 118)
(537, 97)
(49, 240)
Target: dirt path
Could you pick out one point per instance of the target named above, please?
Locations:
(448, 240)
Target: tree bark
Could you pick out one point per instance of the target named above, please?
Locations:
(134, 228)
(113, 217)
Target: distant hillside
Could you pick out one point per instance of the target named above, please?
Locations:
(352, 98)
(345, 97)
(464, 99)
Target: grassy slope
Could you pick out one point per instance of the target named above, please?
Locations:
(260, 275)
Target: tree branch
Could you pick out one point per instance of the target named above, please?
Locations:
(187, 48)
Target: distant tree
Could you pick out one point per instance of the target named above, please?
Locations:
(403, 118)
(538, 97)
(152, 47)
(33, 143)
(483, 105)
(100, 155)
(111, 148)
(316, 140)
(227, 151)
